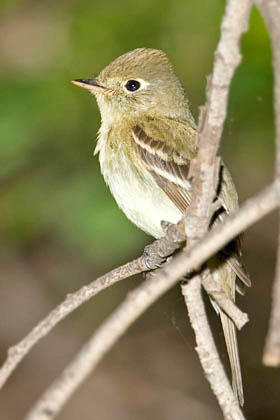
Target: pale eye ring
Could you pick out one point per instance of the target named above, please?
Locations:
(132, 85)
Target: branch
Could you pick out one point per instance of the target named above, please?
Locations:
(205, 175)
(153, 255)
(52, 401)
(72, 301)
(206, 166)
(270, 10)
(213, 288)
(207, 351)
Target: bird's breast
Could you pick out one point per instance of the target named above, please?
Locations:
(135, 190)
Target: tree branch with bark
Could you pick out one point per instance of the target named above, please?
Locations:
(270, 10)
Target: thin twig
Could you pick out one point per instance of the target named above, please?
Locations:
(152, 256)
(204, 172)
(53, 400)
(207, 351)
(270, 10)
(72, 301)
(213, 288)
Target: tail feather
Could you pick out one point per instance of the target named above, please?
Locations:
(232, 349)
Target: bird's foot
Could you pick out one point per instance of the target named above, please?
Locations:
(158, 253)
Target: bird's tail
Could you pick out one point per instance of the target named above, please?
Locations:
(226, 276)
(232, 349)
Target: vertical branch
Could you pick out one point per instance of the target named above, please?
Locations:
(270, 10)
(207, 352)
(204, 173)
(212, 115)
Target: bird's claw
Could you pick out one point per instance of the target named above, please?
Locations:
(216, 205)
(152, 258)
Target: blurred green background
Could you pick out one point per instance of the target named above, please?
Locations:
(60, 227)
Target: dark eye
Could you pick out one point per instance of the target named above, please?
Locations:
(132, 85)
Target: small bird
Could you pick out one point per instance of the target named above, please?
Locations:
(146, 143)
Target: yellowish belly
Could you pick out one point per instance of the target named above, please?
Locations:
(139, 197)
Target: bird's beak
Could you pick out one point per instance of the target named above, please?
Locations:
(90, 84)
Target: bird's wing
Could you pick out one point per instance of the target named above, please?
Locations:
(170, 169)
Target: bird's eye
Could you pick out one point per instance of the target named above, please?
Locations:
(132, 85)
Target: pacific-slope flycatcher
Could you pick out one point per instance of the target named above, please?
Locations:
(145, 144)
